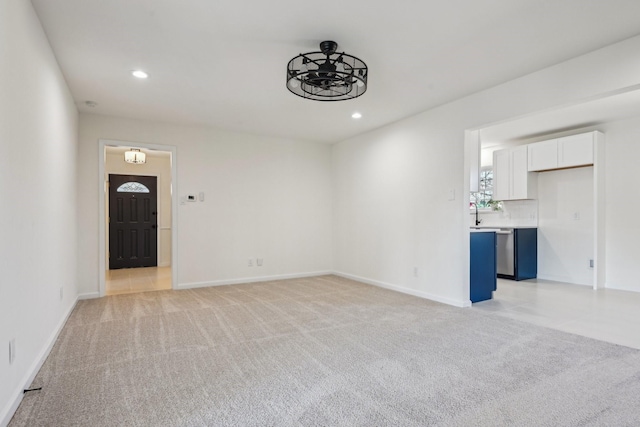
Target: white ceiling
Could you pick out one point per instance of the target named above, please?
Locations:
(222, 63)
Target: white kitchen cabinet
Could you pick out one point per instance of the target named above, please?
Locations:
(566, 152)
(511, 177)
(575, 150)
(501, 174)
(543, 155)
(522, 183)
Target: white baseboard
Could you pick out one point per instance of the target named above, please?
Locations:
(89, 295)
(250, 280)
(426, 295)
(561, 279)
(7, 414)
(620, 288)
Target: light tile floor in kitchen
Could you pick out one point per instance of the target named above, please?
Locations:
(131, 280)
(606, 314)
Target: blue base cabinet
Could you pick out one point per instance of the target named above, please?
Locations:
(526, 261)
(483, 272)
(525, 254)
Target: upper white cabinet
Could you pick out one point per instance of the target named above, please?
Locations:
(522, 183)
(566, 152)
(511, 178)
(501, 174)
(575, 150)
(543, 155)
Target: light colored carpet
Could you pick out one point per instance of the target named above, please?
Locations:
(323, 351)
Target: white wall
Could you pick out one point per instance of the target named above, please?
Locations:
(392, 213)
(622, 141)
(566, 225)
(264, 198)
(158, 165)
(38, 124)
(391, 186)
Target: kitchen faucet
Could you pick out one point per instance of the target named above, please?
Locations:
(478, 221)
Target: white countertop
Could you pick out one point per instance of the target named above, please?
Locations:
(498, 228)
(483, 230)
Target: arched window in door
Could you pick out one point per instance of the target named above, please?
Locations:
(132, 187)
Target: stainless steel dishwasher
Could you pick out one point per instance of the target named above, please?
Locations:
(505, 253)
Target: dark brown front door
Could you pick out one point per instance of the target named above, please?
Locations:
(133, 221)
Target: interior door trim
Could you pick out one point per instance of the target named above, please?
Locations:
(102, 192)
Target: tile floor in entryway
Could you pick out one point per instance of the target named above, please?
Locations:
(131, 280)
(606, 314)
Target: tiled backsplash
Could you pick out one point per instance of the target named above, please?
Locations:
(514, 213)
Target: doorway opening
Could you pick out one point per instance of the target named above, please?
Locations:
(569, 208)
(138, 213)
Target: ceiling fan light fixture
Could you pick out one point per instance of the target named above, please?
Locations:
(135, 156)
(327, 75)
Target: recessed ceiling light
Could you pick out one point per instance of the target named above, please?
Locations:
(140, 74)
(356, 115)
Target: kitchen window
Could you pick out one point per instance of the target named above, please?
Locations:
(484, 196)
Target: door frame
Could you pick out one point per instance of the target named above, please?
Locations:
(103, 192)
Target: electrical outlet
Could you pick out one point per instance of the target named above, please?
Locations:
(576, 216)
(415, 271)
(259, 262)
(12, 351)
(590, 263)
(61, 292)
(250, 262)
